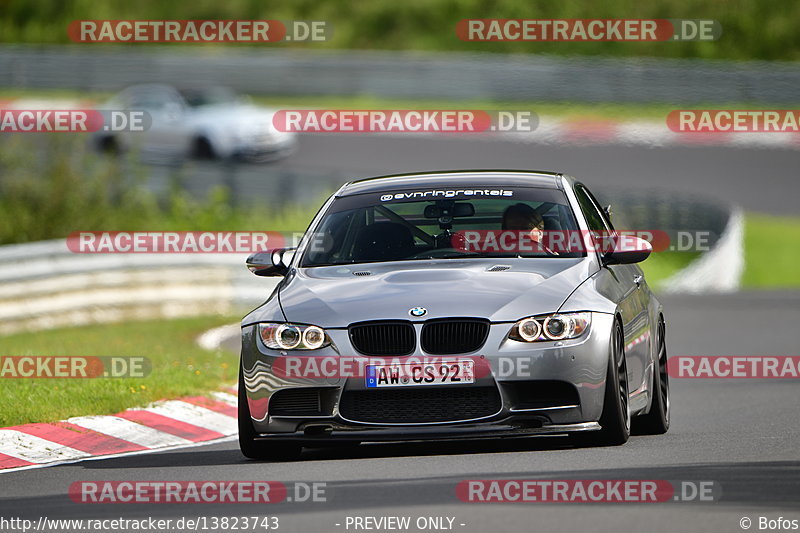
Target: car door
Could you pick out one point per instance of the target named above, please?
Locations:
(632, 298)
(168, 133)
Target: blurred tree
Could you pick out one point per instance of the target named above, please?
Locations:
(752, 29)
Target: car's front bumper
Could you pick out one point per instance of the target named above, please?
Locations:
(311, 433)
(580, 364)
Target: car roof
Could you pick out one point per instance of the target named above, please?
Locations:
(454, 178)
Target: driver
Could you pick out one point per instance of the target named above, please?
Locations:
(522, 217)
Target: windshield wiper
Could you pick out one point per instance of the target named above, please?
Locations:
(510, 255)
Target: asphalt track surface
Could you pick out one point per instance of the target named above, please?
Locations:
(740, 434)
(757, 179)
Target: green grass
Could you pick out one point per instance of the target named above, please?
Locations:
(545, 109)
(772, 252)
(661, 265)
(179, 368)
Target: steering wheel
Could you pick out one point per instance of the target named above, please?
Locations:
(438, 252)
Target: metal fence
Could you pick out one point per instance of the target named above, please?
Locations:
(451, 76)
(44, 285)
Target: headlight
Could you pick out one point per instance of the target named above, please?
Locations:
(529, 329)
(292, 336)
(551, 327)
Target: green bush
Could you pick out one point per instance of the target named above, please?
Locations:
(52, 185)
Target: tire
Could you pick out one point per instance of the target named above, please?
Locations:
(616, 417)
(656, 422)
(109, 145)
(252, 448)
(202, 149)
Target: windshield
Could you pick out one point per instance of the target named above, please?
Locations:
(209, 96)
(440, 224)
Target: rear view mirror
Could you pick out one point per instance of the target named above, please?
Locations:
(461, 209)
(628, 249)
(271, 263)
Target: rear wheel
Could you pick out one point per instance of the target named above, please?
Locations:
(656, 422)
(616, 418)
(252, 448)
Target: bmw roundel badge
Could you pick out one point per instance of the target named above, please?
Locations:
(417, 311)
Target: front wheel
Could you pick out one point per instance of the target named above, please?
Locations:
(110, 145)
(616, 418)
(203, 149)
(255, 449)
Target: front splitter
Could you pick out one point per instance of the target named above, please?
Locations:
(331, 433)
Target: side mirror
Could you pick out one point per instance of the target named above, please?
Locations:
(271, 263)
(628, 249)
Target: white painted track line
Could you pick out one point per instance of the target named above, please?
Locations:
(129, 431)
(34, 449)
(195, 415)
(225, 397)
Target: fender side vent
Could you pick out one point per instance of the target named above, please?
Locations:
(498, 268)
(362, 273)
(301, 402)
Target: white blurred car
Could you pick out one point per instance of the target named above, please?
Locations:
(205, 123)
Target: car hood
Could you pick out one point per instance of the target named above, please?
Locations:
(336, 296)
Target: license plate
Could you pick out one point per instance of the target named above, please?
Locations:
(420, 374)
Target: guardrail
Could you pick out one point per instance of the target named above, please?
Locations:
(44, 285)
(449, 76)
(718, 270)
